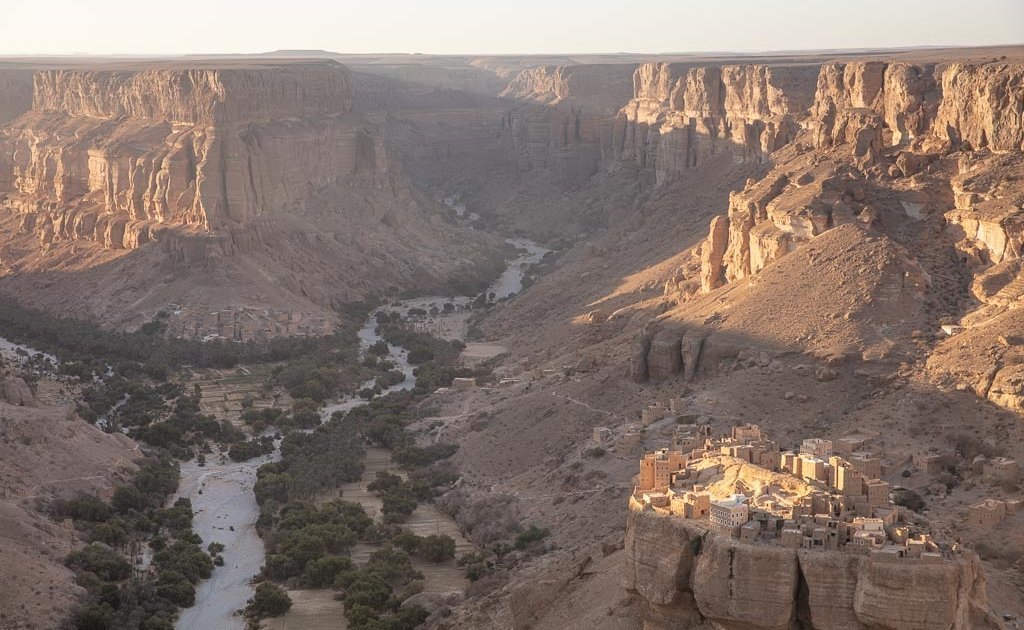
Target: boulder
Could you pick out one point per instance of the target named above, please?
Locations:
(664, 359)
(638, 358)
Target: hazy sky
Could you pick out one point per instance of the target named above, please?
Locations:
(510, 26)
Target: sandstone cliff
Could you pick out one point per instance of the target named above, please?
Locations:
(15, 93)
(116, 156)
(686, 579)
(680, 113)
(561, 118)
(859, 111)
(258, 179)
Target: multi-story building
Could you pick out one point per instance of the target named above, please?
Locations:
(656, 468)
(817, 447)
(729, 514)
(999, 469)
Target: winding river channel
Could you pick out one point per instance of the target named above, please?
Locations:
(222, 492)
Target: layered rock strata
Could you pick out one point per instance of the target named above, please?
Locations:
(874, 121)
(680, 114)
(562, 117)
(115, 157)
(242, 185)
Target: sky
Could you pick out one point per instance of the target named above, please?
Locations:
(509, 27)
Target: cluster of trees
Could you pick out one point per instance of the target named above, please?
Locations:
(374, 594)
(434, 547)
(311, 463)
(161, 415)
(243, 451)
(312, 543)
(136, 403)
(436, 360)
(423, 347)
(185, 427)
(305, 414)
(503, 555)
(495, 525)
(332, 365)
(88, 349)
(269, 600)
(118, 595)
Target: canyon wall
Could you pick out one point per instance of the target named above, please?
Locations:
(562, 117)
(681, 113)
(687, 579)
(869, 122)
(240, 187)
(15, 93)
(116, 157)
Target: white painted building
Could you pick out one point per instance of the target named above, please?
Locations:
(729, 514)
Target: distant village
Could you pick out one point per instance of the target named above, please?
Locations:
(823, 495)
(243, 323)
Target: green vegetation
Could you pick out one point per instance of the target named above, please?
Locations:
(87, 348)
(268, 601)
(118, 596)
(909, 499)
(436, 360)
(311, 463)
(331, 365)
(530, 536)
(303, 539)
(160, 415)
(373, 594)
(249, 449)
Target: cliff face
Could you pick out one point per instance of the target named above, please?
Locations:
(197, 96)
(685, 580)
(681, 114)
(15, 93)
(563, 116)
(114, 156)
(874, 124)
(257, 182)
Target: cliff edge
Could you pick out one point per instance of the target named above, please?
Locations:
(686, 578)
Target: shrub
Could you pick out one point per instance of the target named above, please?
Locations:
(437, 548)
(107, 564)
(322, 572)
(83, 507)
(910, 500)
(268, 601)
(530, 535)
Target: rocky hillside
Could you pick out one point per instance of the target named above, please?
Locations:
(46, 452)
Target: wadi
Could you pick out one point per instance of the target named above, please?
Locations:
(617, 341)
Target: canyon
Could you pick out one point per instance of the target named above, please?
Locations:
(202, 176)
(782, 239)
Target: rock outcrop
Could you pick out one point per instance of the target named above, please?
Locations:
(686, 578)
(860, 112)
(680, 114)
